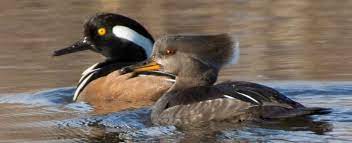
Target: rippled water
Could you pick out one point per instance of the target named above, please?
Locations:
(46, 116)
(301, 47)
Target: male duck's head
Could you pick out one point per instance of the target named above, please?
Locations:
(115, 36)
(193, 59)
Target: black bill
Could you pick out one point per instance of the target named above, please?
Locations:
(81, 45)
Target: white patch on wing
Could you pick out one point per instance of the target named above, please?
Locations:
(133, 36)
(167, 79)
(170, 80)
(226, 96)
(247, 96)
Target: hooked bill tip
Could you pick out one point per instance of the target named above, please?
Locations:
(55, 54)
(59, 53)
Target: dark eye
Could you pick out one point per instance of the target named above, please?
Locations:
(170, 51)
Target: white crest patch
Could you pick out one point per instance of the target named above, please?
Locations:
(133, 36)
(236, 53)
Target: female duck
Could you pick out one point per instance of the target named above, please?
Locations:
(196, 61)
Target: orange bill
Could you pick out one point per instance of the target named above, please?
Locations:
(150, 66)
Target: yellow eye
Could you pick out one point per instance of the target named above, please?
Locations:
(101, 31)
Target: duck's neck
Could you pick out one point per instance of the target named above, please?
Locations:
(109, 65)
(204, 78)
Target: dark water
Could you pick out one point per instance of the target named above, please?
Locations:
(300, 47)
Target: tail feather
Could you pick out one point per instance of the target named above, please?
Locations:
(302, 112)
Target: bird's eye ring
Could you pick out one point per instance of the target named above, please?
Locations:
(170, 51)
(101, 31)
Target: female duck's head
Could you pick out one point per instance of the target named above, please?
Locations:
(194, 59)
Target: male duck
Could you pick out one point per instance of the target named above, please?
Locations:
(193, 99)
(123, 41)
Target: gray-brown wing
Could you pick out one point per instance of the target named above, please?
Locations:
(211, 103)
(203, 111)
(255, 93)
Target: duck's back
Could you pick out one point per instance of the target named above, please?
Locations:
(255, 93)
(199, 105)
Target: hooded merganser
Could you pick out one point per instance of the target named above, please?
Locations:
(196, 61)
(123, 41)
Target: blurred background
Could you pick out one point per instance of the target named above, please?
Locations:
(280, 40)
